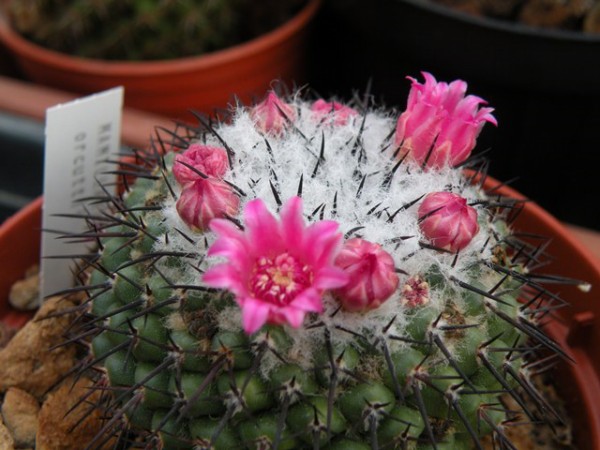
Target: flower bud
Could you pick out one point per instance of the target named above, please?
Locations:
(272, 115)
(333, 112)
(205, 199)
(209, 160)
(447, 221)
(372, 275)
(440, 125)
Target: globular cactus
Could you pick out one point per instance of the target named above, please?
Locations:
(145, 29)
(308, 274)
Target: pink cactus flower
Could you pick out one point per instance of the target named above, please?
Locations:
(273, 115)
(277, 269)
(372, 275)
(204, 200)
(447, 221)
(334, 112)
(440, 125)
(415, 292)
(209, 160)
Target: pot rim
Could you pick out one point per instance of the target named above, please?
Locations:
(19, 45)
(505, 26)
(585, 376)
(558, 229)
(10, 229)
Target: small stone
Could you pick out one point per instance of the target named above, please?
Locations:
(6, 440)
(19, 411)
(6, 334)
(24, 295)
(67, 423)
(27, 361)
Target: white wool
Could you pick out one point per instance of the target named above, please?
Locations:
(294, 155)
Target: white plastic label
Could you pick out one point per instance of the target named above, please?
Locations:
(80, 137)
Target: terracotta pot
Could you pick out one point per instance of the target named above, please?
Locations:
(172, 87)
(577, 327)
(19, 250)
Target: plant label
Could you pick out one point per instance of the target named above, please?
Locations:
(81, 137)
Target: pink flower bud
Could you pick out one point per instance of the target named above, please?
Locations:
(209, 160)
(440, 125)
(205, 199)
(372, 275)
(333, 112)
(415, 292)
(447, 221)
(272, 115)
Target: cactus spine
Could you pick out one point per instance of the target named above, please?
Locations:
(415, 355)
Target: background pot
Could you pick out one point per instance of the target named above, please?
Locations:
(577, 327)
(544, 85)
(172, 87)
(19, 250)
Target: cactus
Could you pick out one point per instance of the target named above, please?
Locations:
(145, 29)
(358, 293)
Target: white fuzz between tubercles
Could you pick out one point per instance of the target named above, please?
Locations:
(359, 152)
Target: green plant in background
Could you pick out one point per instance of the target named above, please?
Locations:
(145, 29)
(307, 274)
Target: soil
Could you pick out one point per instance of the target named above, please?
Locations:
(556, 435)
(575, 15)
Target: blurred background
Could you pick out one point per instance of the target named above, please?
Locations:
(534, 61)
(534, 64)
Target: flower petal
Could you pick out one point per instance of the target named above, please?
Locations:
(226, 228)
(322, 242)
(292, 224)
(262, 229)
(294, 316)
(273, 115)
(309, 300)
(254, 314)
(230, 243)
(330, 278)
(224, 276)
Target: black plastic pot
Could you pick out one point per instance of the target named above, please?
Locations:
(544, 84)
(21, 170)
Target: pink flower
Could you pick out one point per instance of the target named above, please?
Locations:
(273, 115)
(415, 292)
(447, 221)
(278, 270)
(372, 274)
(204, 200)
(211, 161)
(440, 125)
(336, 112)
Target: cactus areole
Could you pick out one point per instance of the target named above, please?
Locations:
(309, 274)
